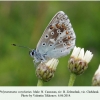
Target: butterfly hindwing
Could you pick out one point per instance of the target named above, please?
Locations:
(58, 38)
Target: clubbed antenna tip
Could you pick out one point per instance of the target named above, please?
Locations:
(21, 46)
(13, 44)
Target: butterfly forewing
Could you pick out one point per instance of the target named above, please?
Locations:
(58, 38)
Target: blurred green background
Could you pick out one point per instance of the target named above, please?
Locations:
(23, 23)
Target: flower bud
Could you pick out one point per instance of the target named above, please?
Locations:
(96, 78)
(78, 61)
(45, 70)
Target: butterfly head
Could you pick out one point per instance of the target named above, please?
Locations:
(31, 53)
(38, 57)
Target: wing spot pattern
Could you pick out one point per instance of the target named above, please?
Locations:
(47, 36)
(50, 45)
(51, 27)
(43, 44)
(52, 33)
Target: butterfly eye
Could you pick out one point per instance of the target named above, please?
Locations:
(44, 44)
(31, 53)
(52, 33)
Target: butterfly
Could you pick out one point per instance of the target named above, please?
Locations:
(58, 39)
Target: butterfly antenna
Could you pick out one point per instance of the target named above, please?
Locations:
(21, 46)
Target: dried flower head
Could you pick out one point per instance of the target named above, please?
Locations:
(96, 78)
(78, 61)
(45, 70)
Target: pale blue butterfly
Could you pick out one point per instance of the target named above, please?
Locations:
(57, 40)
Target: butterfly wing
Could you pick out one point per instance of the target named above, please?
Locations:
(58, 38)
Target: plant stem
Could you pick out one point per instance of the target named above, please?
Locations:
(72, 79)
(40, 82)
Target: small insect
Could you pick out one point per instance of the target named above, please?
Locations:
(57, 40)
